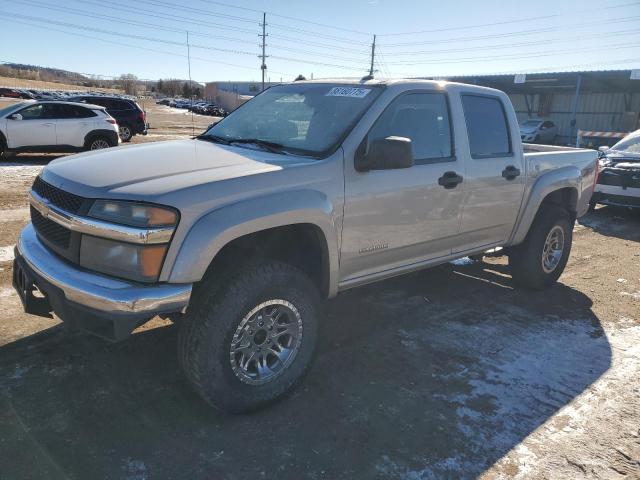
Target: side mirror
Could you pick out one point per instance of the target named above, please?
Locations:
(16, 116)
(386, 154)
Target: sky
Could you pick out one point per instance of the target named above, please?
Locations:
(328, 38)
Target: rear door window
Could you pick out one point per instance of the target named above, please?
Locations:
(487, 126)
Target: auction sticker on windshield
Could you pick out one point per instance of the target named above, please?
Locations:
(354, 92)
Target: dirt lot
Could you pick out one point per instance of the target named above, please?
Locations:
(446, 373)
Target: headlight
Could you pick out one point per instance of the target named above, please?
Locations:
(133, 214)
(140, 263)
(133, 261)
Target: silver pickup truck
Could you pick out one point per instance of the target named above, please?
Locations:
(307, 190)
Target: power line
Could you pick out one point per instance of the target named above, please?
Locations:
(504, 22)
(112, 32)
(163, 52)
(512, 45)
(297, 19)
(517, 33)
(85, 13)
(513, 56)
(113, 5)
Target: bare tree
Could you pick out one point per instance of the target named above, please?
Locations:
(129, 83)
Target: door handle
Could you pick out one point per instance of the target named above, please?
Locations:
(510, 172)
(49, 124)
(450, 180)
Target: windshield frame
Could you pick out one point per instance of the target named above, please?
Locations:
(300, 151)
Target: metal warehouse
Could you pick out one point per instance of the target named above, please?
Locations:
(598, 106)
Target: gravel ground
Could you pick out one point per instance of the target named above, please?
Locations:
(445, 373)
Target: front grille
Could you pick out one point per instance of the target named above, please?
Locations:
(619, 178)
(61, 199)
(49, 230)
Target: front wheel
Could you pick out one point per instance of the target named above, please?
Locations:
(247, 343)
(539, 261)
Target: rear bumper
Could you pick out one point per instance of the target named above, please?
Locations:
(106, 306)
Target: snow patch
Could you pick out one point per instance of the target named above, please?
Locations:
(460, 262)
(6, 253)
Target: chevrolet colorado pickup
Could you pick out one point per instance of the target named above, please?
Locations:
(305, 191)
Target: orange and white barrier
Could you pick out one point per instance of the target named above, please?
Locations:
(594, 134)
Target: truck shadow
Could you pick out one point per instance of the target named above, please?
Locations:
(614, 222)
(437, 374)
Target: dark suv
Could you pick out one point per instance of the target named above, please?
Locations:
(128, 114)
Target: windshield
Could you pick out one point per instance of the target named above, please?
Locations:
(13, 107)
(628, 145)
(530, 124)
(306, 119)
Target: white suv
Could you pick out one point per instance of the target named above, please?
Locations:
(55, 127)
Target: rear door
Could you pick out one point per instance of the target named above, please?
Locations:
(37, 127)
(394, 218)
(73, 122)
(494, 177)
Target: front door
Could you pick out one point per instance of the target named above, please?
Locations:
(36, 128)
(393, 218)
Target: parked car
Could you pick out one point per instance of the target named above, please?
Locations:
(55, 127)
(538, 131)
(14, 93)
(130, 117)
(305, 191)
(619, 178)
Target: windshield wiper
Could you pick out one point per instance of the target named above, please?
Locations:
(273, 147)
(213, 138)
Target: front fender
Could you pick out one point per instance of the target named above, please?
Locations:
(569, 176)
(214, 230)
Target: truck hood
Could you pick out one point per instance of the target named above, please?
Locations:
(159, 167)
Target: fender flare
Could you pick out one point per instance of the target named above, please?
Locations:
(211, 232)
(569, 176)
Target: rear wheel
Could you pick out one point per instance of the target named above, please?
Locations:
(539, 261)
(250, 341)
(125, 133)
(98, 143)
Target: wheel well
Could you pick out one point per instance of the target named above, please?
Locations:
(566, 198)
(301, 245)
(93, 134)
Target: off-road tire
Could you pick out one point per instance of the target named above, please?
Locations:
(217, 309)
(525, 259)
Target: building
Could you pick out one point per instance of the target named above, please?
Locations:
(593, 102)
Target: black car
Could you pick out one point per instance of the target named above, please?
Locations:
(128, 114)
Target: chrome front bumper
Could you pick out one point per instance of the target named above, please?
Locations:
(99, 293)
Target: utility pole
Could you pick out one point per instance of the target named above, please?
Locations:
(193, 125)
(263, 66)
(373, 56)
